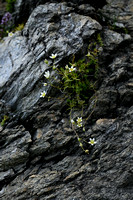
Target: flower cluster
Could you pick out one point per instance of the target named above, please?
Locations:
(71, 69)
(6, 18)
(91, 142)
(5, 25)
(76, 83)
(78, 122)
(47, 74)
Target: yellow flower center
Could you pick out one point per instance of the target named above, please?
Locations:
(92, 141)
(43, 94)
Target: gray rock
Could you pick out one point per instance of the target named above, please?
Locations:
(14, 149)
(43, 160)
(119, 11)
(112, 39)
(108, 174)
(2, 8)
(29, 6)
(6, 175)
(86, 9)
(49, 143)
(51, 28)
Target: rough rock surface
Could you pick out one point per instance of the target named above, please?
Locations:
(119, 13)
(40, 158)
(11, 157)
(51, 28)
(29, 5)
(2, 8)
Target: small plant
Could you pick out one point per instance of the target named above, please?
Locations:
(19, 27)
(99, 39)
(115, 25)
(77, 83)
(6, 25)
(5, 118)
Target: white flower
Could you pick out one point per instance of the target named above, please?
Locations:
(71, 69)
(53, 56)
(43, 94)
(88, 54)
(79, 124)
(10, 34)
(45, 84)
(47, 74)
(79, 119)
(92, 141)
(72, 121)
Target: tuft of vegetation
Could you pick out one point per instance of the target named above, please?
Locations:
(19, 27)
(79, 79)
(6, 25)
(77, 83)
(10, 5)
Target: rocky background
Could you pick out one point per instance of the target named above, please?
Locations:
(40, 157)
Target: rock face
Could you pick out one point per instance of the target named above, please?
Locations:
(51, 28)
(29, 5)
(40, 157)
(10, 157)
(121, 17)
(2, 8)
